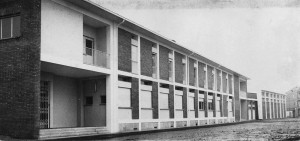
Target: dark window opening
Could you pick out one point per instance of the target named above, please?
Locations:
(103, 99)
(89, 100)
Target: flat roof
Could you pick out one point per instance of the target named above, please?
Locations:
(271, 92)
(108, 14)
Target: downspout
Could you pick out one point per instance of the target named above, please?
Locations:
(121, 22)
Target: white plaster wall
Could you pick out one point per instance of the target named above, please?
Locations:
(146, 114)
(61, 32)
(164, 114)
(201, 114)
(64, 102)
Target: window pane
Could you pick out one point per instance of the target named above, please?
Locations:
(16, 26)
(6, 28)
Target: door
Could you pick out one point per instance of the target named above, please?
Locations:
(88, 50)
(44, 105)
(94, 103)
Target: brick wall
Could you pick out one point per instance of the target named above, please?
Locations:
(20, 72)
(184, 103)
(135, 98)
(146, 57)
(171, 101)
(124, 50)
(191, 72)
(264, 109)
(196, 107)
(268, 110)
(224, 82)
(218, 80)
(237, 103)
(164, 63)
(201, 75)
(225, 105)
(178, 68)
(230, 83)
(206, 104)
(155, 100)
(214, 104)
(210, 78)
(221, 106)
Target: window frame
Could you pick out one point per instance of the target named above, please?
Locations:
(12, 25)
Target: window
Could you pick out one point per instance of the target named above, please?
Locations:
(89, 46)
(154, 59)
(204, 78)
(103, 99)
(201, 104)
(89, 100)
(210, 104)
(183, 71)
(10, 27)
(170, 69)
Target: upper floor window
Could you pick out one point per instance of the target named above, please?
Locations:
(10, 27)
(154, 61)
(183, 70)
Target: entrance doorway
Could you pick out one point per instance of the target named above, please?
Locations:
(44, 104)
(94, 92)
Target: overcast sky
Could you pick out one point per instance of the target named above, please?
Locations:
(258, 40)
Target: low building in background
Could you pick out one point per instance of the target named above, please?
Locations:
(273, 105)
(293, 102)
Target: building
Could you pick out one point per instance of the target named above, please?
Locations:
(273, 105)
(293, 102)
(73, 68)
(249, 106)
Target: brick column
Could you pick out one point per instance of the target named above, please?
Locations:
(206, 103)
(214, 104)
(171, 101)
(221, 106)
(196, 107)
(135, 98)
(225, 106)
(184, 103)
(264, 108)
(236, 99)
(155, 100)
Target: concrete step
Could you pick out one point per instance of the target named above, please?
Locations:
(71, 132)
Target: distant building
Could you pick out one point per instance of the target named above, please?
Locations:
(273, 105)
(293, 102)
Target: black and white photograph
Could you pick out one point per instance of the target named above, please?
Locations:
(137, 70)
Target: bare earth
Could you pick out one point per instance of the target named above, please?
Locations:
(281, 129)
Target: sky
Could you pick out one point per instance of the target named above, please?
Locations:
(259, 40)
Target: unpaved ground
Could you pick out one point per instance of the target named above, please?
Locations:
(282, 129)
